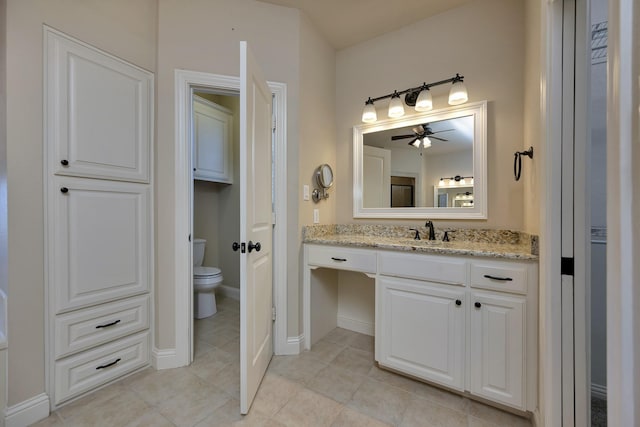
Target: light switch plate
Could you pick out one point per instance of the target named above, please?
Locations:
(316, 216)
(305, 192)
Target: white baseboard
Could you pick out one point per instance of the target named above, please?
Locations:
(293, 346)
(229, 291)
(356, 325)
(27, 412)
(599, 391)
(164, 359)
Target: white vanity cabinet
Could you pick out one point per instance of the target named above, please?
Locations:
(420, 329)
(212, 141)
(467, 323)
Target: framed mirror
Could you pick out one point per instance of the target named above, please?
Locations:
(429, 165)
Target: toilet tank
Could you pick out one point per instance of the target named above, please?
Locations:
(198, 251)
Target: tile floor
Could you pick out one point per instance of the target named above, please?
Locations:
(334, 384)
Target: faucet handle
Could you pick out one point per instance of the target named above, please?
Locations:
(417, 235)
(445, 238)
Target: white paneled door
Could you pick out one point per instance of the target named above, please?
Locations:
(256, 346)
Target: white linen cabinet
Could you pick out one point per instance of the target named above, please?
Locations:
(99, 218)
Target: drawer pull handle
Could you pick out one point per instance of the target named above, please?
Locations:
(109, 364)
(338, 259)
(64, 162)
(115, 322)
(502, 279)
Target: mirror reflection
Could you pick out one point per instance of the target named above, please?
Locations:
(429, 164)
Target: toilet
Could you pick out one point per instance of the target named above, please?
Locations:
(205, 280)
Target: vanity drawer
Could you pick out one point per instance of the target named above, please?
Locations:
(87, 370)
(82, 329)
(440, 269)
(342, 258)
(503, 277)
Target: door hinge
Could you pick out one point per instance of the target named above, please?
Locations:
(566, 266)
(273, 313)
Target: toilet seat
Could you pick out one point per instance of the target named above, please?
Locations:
(206, 272)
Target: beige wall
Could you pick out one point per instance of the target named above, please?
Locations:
(533, 133)
(484, 41)
(121, 27)
(205, 37)
(317, 141)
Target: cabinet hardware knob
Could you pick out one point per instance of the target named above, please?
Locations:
(478, 305)
(235, 246)
(109, 364)
(115, 322)
(64, 162)
(255, 246)
(64, 190)
(338, 259)
(502, 279)
(458, 302)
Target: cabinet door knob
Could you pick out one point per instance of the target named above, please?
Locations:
(64, 190)
(255, 246)
(458, 302)
(64, 162)
(478, 305)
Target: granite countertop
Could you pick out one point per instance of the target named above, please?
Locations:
(472, 242)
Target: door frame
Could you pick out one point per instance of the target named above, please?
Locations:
(185, 81)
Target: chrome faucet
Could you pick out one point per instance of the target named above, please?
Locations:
(432, 234)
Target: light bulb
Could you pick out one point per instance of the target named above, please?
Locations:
(416, 143)
(426, 142)
(463, 182)
(424, 101)
(369, 114)
(396, 109)
(458, 93)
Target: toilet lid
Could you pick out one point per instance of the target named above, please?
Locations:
(206, 271)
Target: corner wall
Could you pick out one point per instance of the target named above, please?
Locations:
(121, 27)
(205, 36)
(484, 41)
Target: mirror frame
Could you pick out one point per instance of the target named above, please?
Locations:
(479, 211)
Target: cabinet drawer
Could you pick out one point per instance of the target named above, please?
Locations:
(342, 258)
(93, 326)
(504, 277)
(84, 371)
(423, 267)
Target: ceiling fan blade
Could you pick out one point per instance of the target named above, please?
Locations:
(438, 131)
(396, 137)
(438, 138)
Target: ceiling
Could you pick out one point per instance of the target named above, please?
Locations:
(348, 22)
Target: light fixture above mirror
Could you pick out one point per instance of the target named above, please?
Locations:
(418, 97)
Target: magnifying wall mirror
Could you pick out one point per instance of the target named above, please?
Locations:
(324, 180)
(429, 165)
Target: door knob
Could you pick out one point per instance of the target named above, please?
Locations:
(235, 246)
(255, 246)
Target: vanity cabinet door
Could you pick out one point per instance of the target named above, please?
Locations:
(497, 338)
(420, 329)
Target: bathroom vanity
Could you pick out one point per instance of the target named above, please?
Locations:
(460, 314)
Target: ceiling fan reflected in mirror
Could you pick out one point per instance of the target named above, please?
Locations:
(422, 134)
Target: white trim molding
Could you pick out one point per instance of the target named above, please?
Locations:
(356, 325)
(184, 81)
(164, 359)
(293, 346)
(230, 292)
(28, 412)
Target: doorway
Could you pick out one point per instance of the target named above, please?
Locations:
(186, 83)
